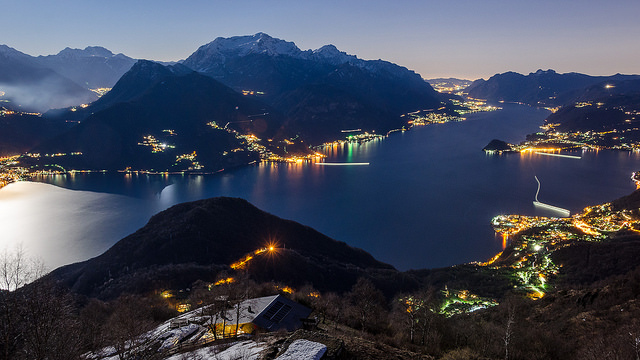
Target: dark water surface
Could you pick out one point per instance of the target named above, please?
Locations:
(425, 200)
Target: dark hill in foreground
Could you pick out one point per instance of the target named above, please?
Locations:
(196, 240)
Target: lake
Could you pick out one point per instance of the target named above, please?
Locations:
(425, 200)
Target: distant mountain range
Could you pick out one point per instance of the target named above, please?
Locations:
(26, 85)
(584, 103)
(321, 92)
(41, 83)
(610, 108)
(161, 118)
(276, 92)
(541, 88)
(93, 67)
(272, 89)
(449, 82)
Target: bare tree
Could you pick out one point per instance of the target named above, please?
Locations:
(129, 320)
(50, 329)
(239, 293)
(367, 304)
(8, 324)
(508, 331)
(93, 318)
(428, 317)
(335, 307)
(415, 316)
(17, 269)
(634, 341)
(214, 311)
(405, 310)
(205, 295)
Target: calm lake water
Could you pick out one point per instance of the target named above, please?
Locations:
(425, 200)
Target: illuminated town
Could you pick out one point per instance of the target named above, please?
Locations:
(622, 135)
(470, 105)
(421, 118)
(101, 91)
(526, 261)
(155, 144)
(447, 86)
(529, 242)
(12, 169)
(415, 118)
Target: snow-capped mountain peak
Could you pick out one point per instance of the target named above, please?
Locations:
(219, 50)
(331, 54)
(89, 51)
(259, 43)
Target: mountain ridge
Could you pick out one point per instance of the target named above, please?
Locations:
(29, 86)
(208, 236)
(162, 120)
(279, 71)
(92, 67)
(543, 87)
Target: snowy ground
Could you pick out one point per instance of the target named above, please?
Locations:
(243, 350)
(302, 349)
(191, 334)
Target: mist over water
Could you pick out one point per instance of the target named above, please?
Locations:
(425, 200)
(46, 93)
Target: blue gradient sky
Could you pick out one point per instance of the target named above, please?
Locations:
(460, 38)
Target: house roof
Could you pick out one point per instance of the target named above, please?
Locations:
(282, 313)
(250, 309)
(269, 312)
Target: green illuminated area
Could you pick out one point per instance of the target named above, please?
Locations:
(462, 301)
(526, 262)
(534, 239)
(363, 137)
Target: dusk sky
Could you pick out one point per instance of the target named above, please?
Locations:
(459, 38)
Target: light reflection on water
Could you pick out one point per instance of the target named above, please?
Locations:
(62, 226)
(425, 200)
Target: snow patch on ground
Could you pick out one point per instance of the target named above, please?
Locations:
(244, 350)
(303, 350)
(173, 337)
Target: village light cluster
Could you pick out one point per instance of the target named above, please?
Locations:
(155, 144)
(529, 257)
(625, 136)
(11, 171)
(471, 105)
(462, 301)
